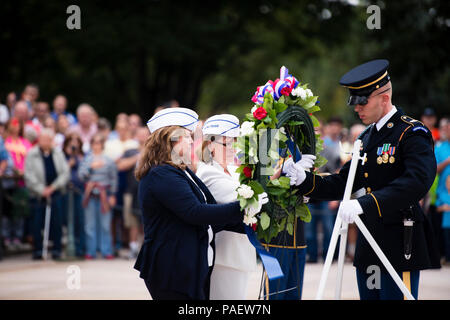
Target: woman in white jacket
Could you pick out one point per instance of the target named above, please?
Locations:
(235, 256)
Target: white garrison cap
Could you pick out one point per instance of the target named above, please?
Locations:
(182, 117)
(225, 125)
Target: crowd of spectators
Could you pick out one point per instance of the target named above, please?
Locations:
(77, 166)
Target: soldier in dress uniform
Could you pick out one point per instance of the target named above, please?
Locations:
(399, 170)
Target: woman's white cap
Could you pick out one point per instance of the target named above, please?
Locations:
(182, 117)
(225, 125)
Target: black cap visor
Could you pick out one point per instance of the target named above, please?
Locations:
(353, 100)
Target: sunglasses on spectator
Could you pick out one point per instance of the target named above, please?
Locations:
(226, 144)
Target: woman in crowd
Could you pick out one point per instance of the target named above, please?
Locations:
(74, 156)
(235, 256)
(16, 193)
(100, 175)
(178, 210)
(17, 145)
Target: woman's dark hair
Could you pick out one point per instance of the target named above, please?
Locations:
(69, 137)
(14, 121)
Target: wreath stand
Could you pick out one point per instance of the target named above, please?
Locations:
(292, 113)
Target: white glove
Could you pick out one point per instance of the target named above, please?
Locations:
(296, 171)
(262, 199)
(300, 174)
(348, 210)
(290, 171)
(307, 161)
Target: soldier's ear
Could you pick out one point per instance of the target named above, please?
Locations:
(385, 98)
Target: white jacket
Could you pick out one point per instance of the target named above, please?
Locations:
(233, 249)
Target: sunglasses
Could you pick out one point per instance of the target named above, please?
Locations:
(362, 100)
(226, 144)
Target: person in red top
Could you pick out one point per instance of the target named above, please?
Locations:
(22, 113)
(429, 119)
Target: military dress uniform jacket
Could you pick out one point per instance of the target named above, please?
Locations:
(399, 170)
(174, 256)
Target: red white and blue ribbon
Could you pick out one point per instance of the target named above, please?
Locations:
(282, 86)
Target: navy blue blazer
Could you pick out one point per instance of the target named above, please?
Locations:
(174, 257)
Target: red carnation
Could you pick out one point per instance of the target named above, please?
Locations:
(260, 113)
(286, 91)
(248, 172)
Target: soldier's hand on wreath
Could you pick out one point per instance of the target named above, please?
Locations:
(296, 171)
(290, 171)
(348, 210)
(307, 161)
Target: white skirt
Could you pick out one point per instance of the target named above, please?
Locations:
(228, 283)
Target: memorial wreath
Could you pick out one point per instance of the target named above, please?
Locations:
(280, 125)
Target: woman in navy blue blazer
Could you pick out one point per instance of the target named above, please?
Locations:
(177, 256)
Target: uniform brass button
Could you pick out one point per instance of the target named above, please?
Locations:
(366, 174)
(365, 159)
(369, 190)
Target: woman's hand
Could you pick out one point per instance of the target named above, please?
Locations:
(276, 175)
(112, 201)
(71, 162)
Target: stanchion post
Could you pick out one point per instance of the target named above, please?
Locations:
(70, 252)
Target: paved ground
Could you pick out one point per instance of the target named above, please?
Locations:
(22, 278)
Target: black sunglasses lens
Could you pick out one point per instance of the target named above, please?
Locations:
(354, 100)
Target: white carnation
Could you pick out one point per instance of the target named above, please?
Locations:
(245, 191)
(299, 92)
(309, 93)
(247, 128)
(248, 220)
